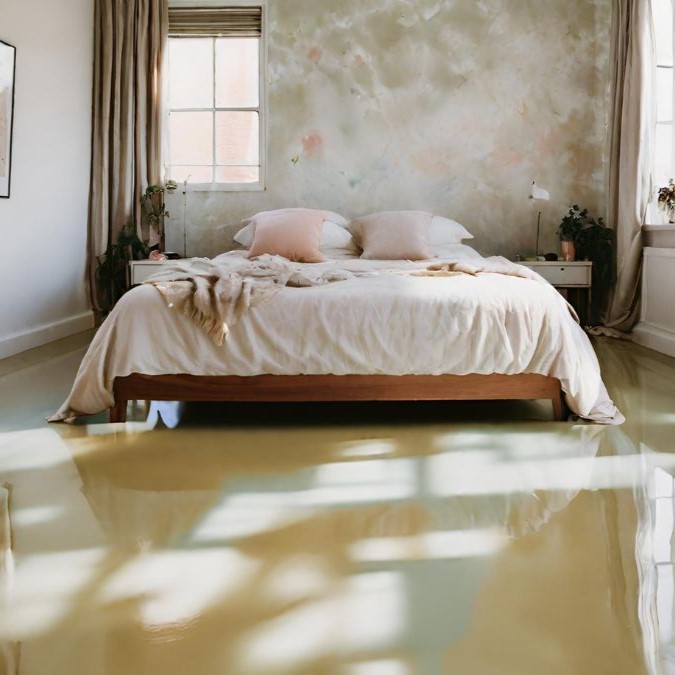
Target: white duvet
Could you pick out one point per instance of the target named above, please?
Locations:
(382, 323)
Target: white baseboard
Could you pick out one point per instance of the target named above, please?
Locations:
(655, 337)
(44, 333)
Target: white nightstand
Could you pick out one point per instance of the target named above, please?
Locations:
(140, 270)
(568, 276)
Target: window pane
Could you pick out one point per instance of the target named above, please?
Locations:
(193, 174)
(191, 137)
(663, 25)
(664, 94)
(237, 138)
(664, 154)
(237, 73)
(191, 73)
(237, 174)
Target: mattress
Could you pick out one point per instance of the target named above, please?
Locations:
(384, 321)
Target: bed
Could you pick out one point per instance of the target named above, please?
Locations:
(393, 331)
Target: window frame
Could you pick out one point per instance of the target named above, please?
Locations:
(657, 221)
(262, 109)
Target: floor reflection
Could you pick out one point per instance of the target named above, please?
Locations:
(376, 540)
(394, 549)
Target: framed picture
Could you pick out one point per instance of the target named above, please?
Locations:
(7, 73)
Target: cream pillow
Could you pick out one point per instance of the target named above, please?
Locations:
(292, 233)
(393, 235)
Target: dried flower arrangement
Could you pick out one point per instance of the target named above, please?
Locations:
(667, 199)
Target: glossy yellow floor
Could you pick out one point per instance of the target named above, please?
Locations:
(358, 540)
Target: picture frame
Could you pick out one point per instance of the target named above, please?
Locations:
(7, 80)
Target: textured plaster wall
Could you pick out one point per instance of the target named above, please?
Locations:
(452, 106)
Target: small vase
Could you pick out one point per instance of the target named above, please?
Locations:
(567, 250)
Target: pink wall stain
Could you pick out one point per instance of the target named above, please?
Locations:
(314, 54)
(312, 145)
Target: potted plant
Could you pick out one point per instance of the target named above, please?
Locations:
(153, 213)
(111, 267)
(568, 231)
(667, 200)
(591, 240)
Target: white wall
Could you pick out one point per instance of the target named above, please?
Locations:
(43, 226)
(656, 329)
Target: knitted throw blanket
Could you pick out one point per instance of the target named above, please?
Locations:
(215, 295)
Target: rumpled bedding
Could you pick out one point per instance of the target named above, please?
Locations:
(381, 317)
(214, 296)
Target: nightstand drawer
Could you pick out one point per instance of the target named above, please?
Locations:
(140, 270)
(564, 274)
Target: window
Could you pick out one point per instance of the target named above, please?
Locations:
(664, 168)
(216, 94)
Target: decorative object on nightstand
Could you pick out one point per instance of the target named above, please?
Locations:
(568, 230)
(153, 212)
(571, 279)
(538, 194)
(666, 200)
(593, 241)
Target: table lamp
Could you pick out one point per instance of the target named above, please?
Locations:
(538, 194)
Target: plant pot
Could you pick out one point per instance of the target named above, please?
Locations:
(567, 251)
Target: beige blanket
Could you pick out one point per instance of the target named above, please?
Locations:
(215, 295)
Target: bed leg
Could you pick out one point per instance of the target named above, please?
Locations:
(118, 413)
(560, 411)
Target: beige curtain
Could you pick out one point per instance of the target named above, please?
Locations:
(130, 38)
(632, 130)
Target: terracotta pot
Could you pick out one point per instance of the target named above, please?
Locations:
(567, 250)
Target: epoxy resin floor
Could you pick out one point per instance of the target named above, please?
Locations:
(362, 540)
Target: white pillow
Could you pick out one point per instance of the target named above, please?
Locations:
(334, 237)
(444, 231)
(456, 252)
(337, 219)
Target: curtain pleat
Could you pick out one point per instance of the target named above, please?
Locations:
(632, 130)
(129, 49)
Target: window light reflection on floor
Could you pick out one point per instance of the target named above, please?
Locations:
(44, 589)
(36, 515)
(379, 667)
(432, 545)
(348, 483)
(366, 613)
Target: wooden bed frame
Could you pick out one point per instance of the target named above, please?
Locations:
(322, 388)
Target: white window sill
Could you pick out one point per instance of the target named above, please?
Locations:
(222, 187)
(664, 227)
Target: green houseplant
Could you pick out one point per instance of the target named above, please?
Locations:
(111, 267)
(593, 241)
(153, 211)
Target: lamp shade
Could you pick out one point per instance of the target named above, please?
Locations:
(539, 193)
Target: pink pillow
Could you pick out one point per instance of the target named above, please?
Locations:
(393, 235)
(292, 233)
